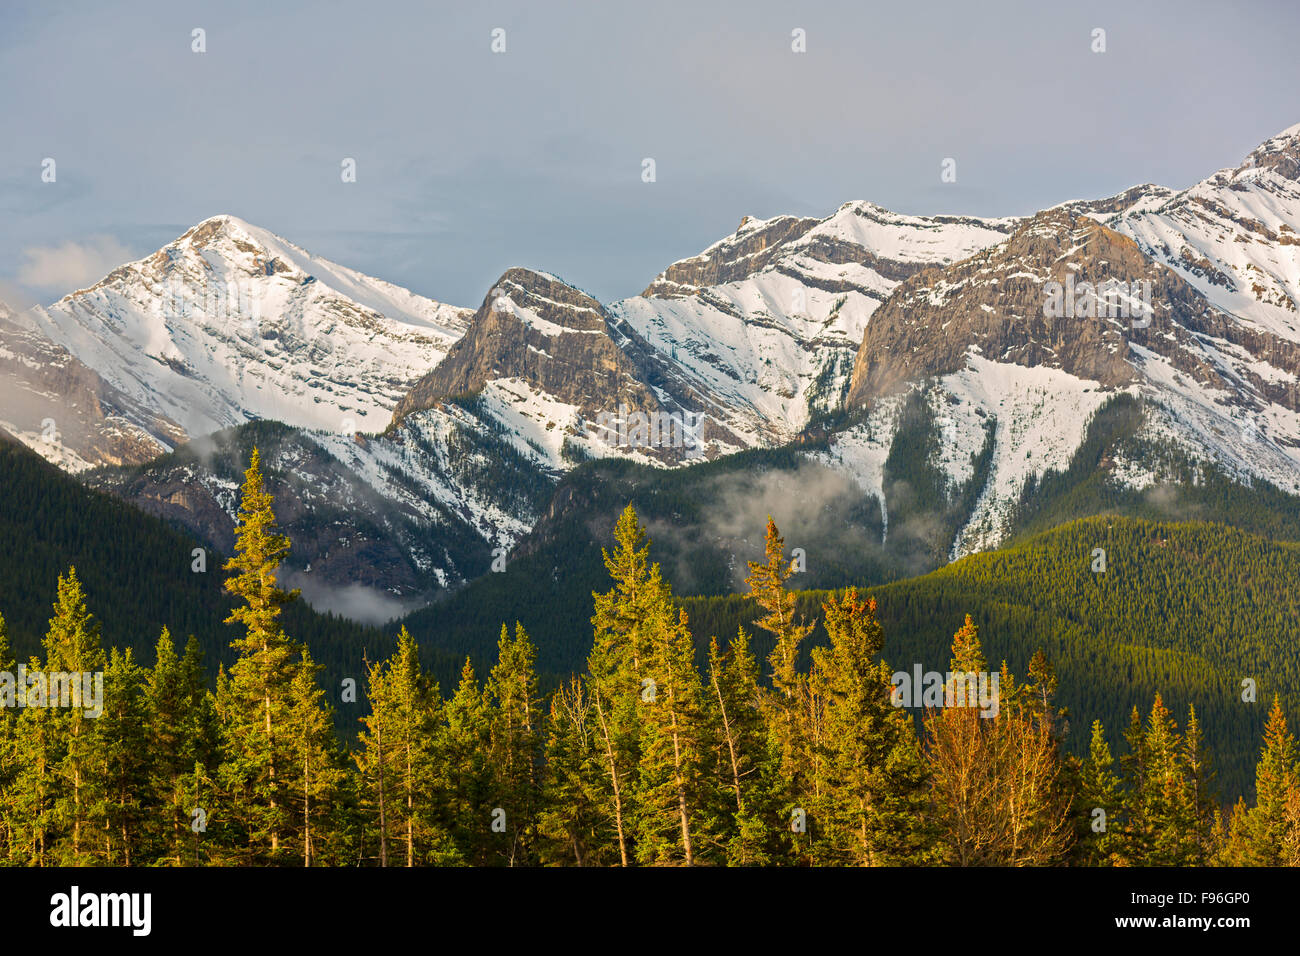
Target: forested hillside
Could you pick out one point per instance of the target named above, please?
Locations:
(1189, 619)
(646, 757)
(704, 522)
(139, 572)
(1185, 610)
(1186, 489)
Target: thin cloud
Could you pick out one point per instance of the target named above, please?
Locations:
(64, 268)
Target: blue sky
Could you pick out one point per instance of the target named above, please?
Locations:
(470, 162)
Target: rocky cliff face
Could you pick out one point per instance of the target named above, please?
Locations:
(754, 246)
(1022, 339)
(999, 304)
(534, 327)
(550, 353)
(768, 319)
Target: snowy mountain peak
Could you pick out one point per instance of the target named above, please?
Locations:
(1280, 153)
(548, 360)
(1234, 236)
(1141, 198)
(223, 224)
(767, 319)
(230, 322)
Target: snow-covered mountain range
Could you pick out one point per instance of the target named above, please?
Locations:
(444, 427)
(769, 318)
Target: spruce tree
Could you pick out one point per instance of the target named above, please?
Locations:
(476, 822)
(614, 669)
(964, 762)
(253, 705)
(377, 758)
(672, 781)
(129, 802)
(576, 823)
(181, 728)
(873, 786)
(315, 764)
(73, 648)
(1277, 781)
(767, 588)
(1200, 776)
(37, 750)
(1099, 791)
(516, 742)
(1160, 815)
(746, 772)
(399, 760)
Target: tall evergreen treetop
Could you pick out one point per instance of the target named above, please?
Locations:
(72, 642)
(259, 551)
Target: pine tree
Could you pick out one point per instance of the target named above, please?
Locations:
(874, 780)
(767, 589)
(614, 669)
(73, 650)
(253, 703)
(1277, 781)
(1099, 791)
(515, 742)
(128, 799)
(672, 787)
(1200, 781)
(1236, 849)
(576, 823)
(471, 813)
(746, 773)
(181, 729)
(199, 795)
(314, 762)
(963, 758)
(1160, 815)
(1038, 794)
(998, 792)
(378, 756)
(398, 760)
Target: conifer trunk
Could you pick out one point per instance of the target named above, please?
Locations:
(275, 833)
(410, 808)
(731, 745)
(613, 776)
(306, 810)
(383, 818)
(681, 784)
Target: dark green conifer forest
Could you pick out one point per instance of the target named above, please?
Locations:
(764, 729)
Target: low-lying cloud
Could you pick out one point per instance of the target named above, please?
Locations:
(356, 602)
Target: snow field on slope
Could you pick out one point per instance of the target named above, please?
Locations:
(1246, 444)
(1042, 415)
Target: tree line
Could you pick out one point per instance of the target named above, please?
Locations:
(645, 758)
